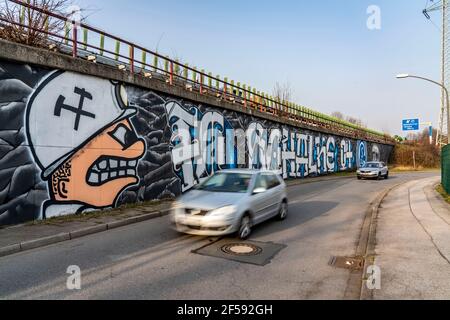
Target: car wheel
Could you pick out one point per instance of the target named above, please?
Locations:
(359, 178)
(284, 210)
(246, 228)
(379, 176)
(387, 176)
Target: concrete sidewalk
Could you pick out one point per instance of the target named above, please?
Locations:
(413, 243)
(42, 233)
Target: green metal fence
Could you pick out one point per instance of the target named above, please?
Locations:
(446, 168)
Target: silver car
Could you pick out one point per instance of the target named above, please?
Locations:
(373, 170)
(232, 201)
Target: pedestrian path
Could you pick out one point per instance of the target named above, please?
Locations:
(413, 243)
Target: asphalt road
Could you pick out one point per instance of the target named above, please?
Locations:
(151, 261)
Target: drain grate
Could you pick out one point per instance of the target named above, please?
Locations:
(347, 263)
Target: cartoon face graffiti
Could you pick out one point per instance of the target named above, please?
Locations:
(80, 134)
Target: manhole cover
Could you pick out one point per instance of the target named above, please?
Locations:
(241, 249)
(347, 263)
(251, 252)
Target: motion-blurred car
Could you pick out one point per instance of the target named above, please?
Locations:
(232, 201)
(373, 170)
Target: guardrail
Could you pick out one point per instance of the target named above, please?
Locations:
(84, 41)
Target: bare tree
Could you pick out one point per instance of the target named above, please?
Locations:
(283, 92)
(28, 26)
(339, 115)
(412, 137)
(355, 121)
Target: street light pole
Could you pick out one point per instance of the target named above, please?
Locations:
(404, 76)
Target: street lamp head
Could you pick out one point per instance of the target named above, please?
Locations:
(402, 76)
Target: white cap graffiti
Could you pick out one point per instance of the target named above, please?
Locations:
(66, 111)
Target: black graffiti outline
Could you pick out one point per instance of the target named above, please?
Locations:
(131, 136)
(78, 111)
(60, 179)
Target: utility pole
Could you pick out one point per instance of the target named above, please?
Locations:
(443, 6)
(440, 141)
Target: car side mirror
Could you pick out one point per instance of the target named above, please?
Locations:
(259, 191)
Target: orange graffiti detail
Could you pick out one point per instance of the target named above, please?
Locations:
(105, 167)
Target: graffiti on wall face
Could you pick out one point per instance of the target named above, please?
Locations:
(80, 135)
(204, 142)
(376, 153)
(72, 143)
(362, 154)
(197, 143)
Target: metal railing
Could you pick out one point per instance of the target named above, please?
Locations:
(86, 42)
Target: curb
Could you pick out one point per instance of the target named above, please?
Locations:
(297, 182)
(356, 289)
(63, 237)
(33, 244)
(370, 246)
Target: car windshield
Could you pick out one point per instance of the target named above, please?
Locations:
(227, 182)
(373, 165)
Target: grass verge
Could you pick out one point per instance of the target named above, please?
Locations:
(400, 169)
(97, 215)
(440, 189)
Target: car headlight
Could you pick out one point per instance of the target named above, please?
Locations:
(224, 211)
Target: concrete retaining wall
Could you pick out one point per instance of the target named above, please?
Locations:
(71, 142)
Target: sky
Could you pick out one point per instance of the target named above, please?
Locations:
(323, 49)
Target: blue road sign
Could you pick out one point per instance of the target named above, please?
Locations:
(411, 125)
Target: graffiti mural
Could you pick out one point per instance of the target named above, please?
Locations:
(205, 141)
(362, 154)
(98, 149)
(376, 154)
(72, 143)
